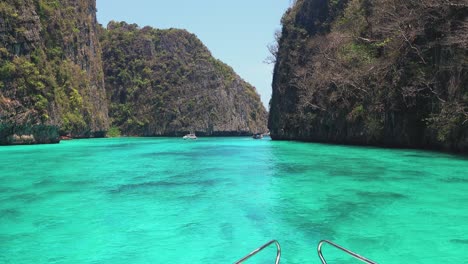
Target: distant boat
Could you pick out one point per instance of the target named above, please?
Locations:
(190, 136)
(257, 136)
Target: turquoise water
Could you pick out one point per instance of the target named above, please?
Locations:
(144, 200)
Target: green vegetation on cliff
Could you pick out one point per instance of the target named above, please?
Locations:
(392, 73)
(159, 82)
(165, 82)
(50, 66)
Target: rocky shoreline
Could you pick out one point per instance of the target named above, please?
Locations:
(28, 134)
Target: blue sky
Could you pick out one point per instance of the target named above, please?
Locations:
(236, 31)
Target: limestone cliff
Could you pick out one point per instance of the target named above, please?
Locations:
(51, 68)
(165, 82)
(159, 82)
(388, 73)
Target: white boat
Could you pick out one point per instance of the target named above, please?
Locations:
(257, 136)
(190, 136)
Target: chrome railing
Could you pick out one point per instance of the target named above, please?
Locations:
(361, 258)
(278, 252)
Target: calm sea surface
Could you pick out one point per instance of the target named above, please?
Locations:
(145, 200)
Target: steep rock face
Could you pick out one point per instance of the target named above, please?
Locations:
(165, 82)
(389, 73)
(51, 68)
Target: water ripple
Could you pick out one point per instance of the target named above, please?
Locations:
(163, 184)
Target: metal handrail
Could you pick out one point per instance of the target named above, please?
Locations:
(278, 252)
(361, 258)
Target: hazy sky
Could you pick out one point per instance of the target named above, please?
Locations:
(235, 31)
